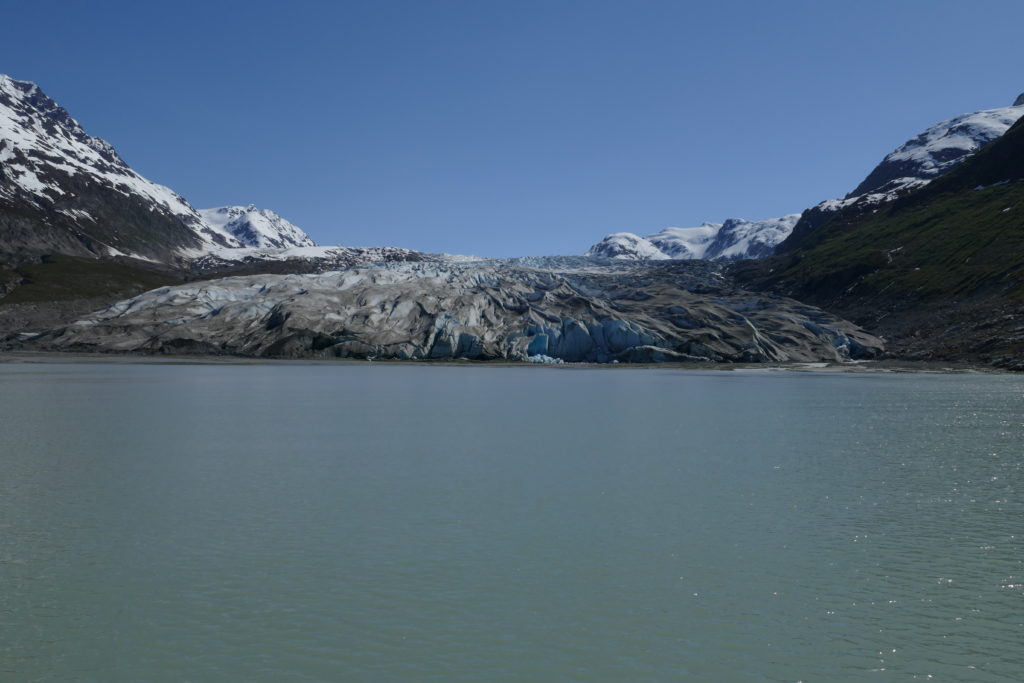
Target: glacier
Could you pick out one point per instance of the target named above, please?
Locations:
(581, 310)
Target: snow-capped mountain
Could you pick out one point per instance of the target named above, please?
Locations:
(686, 243)
(740, 239)
(914, 164)
(253, 227)
(628, 247)
(734, 239)
(65, 191)
(929, 155)
(77, 184)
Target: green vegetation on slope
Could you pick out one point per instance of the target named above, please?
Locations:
(956, 245)
(69, 278)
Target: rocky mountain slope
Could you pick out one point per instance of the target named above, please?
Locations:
(63, 191)
(536, 310)
(939, 271)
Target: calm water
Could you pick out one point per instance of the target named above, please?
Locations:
(290, 522)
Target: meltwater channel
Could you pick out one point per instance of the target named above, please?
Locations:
(390, 522)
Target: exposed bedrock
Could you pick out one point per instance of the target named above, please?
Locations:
(484, 310)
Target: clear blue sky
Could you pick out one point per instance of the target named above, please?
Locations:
(517, 127)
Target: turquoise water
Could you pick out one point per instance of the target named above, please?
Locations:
(383, 522)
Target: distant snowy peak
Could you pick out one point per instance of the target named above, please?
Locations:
(686, 243)
(740, 239)
(929, 155)
(627, 246)
(729, 241)
(670, 243)
(253, 227)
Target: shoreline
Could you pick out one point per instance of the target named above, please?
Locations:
(847, 367)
